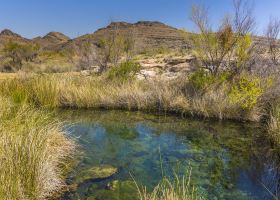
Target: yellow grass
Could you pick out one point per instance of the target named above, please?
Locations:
(4, 76)
(72, 90)
(34, 153)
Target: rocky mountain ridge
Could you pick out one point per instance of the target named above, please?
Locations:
(147, 35)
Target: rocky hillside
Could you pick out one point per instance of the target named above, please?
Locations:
(7, 35)
(146, 34)
(52, 40)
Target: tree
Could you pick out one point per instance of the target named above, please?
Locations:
(228, 48)
(109, 49)
(272, 33)
(88, 55)
(114, 45)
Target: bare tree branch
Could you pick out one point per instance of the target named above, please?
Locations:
(272, 34)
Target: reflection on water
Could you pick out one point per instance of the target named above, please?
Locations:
(228, 160)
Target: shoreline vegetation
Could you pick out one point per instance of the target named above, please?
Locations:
(222, 100)
(35, 153)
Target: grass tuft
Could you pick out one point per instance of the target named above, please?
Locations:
(34, 152)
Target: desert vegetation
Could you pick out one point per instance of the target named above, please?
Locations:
(230, 81)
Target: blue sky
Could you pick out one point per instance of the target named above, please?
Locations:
(32, 18)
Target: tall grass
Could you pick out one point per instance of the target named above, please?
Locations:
(150, 95)
(274, 121)
(179, 189)
(34, 152)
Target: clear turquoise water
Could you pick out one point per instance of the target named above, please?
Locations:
(228, 160)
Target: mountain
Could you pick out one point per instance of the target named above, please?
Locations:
(147, 34)
(52, 40)
(7, 35)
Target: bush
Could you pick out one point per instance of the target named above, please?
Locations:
(201, 79)
(247, 91)
(124, 71)
(18, 53)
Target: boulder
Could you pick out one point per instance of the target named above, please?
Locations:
(116, 190)
(97, 172)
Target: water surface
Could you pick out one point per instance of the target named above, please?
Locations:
(227, 160)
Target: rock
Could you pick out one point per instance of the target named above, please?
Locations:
(85, 73)
(175, 61)
(98, 172)
(170, 75)
(144, 74)
(180, 67)
(95, 69)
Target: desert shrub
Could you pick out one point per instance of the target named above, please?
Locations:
(124, 71)
(227, 47)
(114, 46)
(201, 79)
(247, 91)
(18, 53)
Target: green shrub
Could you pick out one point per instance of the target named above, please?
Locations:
(247, 91)
(124, 71)
(18, 53)
(201, 79)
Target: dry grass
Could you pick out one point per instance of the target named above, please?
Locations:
(179, 189)
(34, 153)
(274, 122)
(71, 90)
(5, 76)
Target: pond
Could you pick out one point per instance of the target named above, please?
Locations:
(226, 160)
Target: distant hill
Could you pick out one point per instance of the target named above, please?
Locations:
(7, 35)
(147, 35)
(51, 40)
